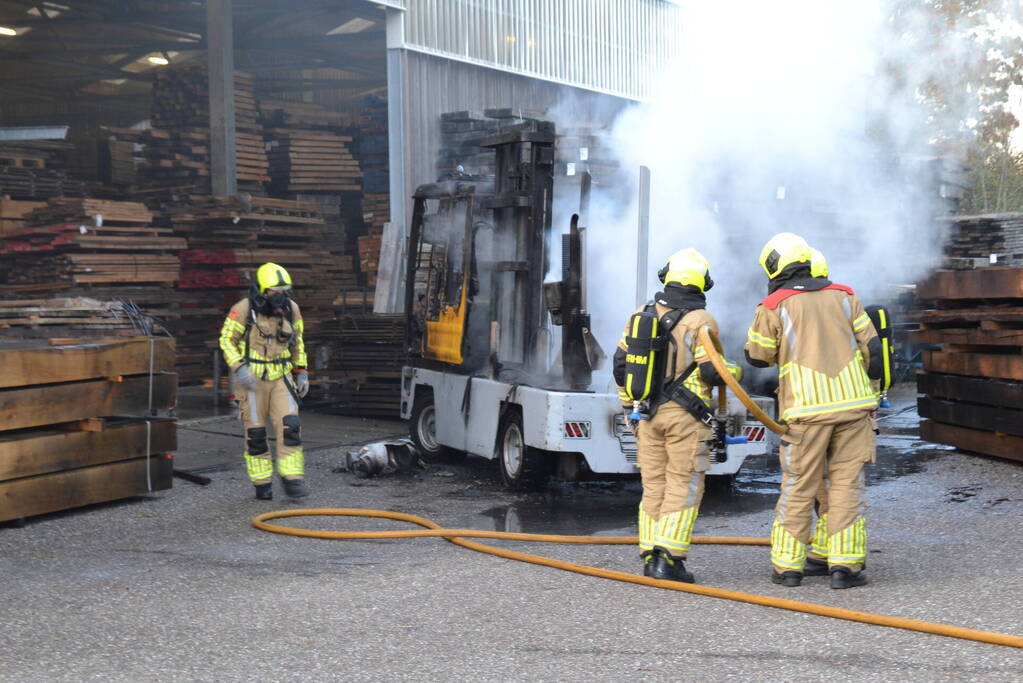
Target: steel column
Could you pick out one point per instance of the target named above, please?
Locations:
(643, 236)
(220, 60)
(397, 71)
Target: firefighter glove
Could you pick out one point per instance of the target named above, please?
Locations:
(302, 383)
(245, 378)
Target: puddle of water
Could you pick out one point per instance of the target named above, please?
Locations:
(609, 508)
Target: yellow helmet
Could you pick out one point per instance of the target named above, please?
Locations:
(687, 267)
(272, 276)
(818, 264)
(781, 251)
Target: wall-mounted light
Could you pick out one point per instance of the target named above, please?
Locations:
(8, 31)
(157, 60)
(356, 25)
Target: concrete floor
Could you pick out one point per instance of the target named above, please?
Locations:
(179, 587)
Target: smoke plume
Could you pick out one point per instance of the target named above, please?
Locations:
(795, 116)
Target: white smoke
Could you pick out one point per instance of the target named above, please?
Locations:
(776, 117)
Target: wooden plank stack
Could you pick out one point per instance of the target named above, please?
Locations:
(461, 154)
(369, 259)
(13, 213)
(87, 242)
(311, 161)
(983, 235)
(24, 171)
(70, 318)
(176, 150)
(376, 211)
(973, 384)
(365, 354)
(588, 149)
(371, 146)
(76, 425)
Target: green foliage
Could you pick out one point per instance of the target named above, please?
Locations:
(994, 180)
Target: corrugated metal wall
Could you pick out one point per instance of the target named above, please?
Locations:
(611, 46)
(434, 85)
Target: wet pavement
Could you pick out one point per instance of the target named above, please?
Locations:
(179, 586)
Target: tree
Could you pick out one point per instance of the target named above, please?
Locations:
(968, 58)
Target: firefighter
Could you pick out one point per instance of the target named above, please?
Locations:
(262, 343)
(672, 421)
(827, 352)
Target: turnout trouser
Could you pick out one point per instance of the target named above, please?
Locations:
(810, 453)
(673, 457)
(818, 549)
(272, 403)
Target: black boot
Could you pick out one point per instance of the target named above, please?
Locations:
(648, 557)
(815, 567)
(670, 568)
(295, 488)
(843, 577)
(789, 579)
(264, 492)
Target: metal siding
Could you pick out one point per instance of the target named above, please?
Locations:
(604, 45)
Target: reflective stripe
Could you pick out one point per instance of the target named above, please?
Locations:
(675, 531)
(760, 339)
(259, 468)
(861, 322)
(819, 543)
(849, 546)
(292, 464)
(647, 530)
(228, 334)
(696, 385)
(787, 552)
(816, 393)
(836, 407)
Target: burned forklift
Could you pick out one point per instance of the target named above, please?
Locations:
(481, 378)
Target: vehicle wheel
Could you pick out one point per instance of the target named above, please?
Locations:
(522, 467)
(423, 430)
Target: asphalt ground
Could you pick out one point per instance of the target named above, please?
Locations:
(178, 586)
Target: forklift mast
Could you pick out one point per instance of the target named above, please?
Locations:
(518, 262)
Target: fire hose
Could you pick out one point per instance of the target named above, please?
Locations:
(459, 536)
(712, 344)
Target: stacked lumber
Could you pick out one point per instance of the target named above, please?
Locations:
(176, 150)
(376, 211)
(981, 236)
(118, 163)
(282, 114)
(334, 237)
(364, 357)
(973, 383)
(228, 238)
(588, 149)
(67, 318)
(86, 242)
(311, 161)
(13, 213)
(71, 434)
(24, 172)
(371, 146)
(461, 138)
(369, 259)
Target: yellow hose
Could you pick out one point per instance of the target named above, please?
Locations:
(458, 536)
(712, 344)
